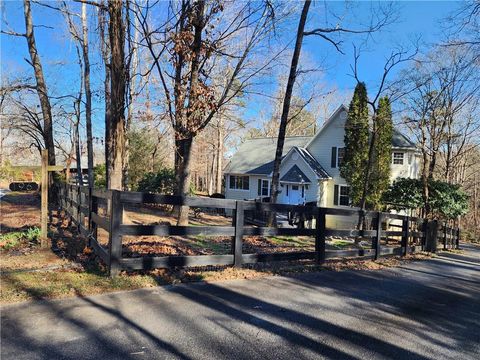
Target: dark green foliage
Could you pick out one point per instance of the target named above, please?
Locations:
(162, 182)
(447, 201)
(404, 193)
(99, 176)
(382, 154)
(356, 143)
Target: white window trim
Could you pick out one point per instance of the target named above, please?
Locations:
(261, 187)
(245, 190)
(339, 195)
(338, 155)
(393, 157)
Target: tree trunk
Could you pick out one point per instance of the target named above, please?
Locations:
(133, 59)
(475, 205)
(78, 152)
(41, 85)
(88, 95)
(218, 172)
(116, 135)
(105, 51)
(210, 173)
(425, 190)
(286, 108)
(183, 152)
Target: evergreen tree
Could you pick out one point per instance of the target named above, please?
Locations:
(382, 153)
(356, 142)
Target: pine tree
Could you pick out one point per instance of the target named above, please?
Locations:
(382, 153)
(356, 143)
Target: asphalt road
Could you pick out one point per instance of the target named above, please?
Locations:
(423, 310)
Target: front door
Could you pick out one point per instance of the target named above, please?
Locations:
(295, 195)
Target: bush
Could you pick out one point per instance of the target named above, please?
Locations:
(162, 182)
(447, 201)
(100, 176)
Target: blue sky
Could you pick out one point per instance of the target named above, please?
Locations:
(415, 19)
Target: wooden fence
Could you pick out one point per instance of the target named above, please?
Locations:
(81, 204)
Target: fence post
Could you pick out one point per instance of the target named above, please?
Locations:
(424, 231)
(320, 226)
(92, 227)
(114, 238)
(79, 208)
(69, 207)
(432, 236)
(89, 209)
(238, 223)
(457, 240)
(376, 240)
(445, 232)
(406, 234)
(44, 201)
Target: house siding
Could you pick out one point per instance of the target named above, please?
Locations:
(322, 191)
(311, 194)
(332, 136)
(242, 194)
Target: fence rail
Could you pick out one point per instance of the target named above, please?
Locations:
(81, 204)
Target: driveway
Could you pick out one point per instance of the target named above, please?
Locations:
(422, 310)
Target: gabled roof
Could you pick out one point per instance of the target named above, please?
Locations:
(401, 141)
(327, 123)
(398, 139)
(295, 175)
(313, 163)
(256, 156)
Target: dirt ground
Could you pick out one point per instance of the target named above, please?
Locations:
(70, 268)
(19, 211)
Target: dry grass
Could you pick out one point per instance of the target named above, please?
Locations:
(60, 284)
(30, 273)
(19, 211)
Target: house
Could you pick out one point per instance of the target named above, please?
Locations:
(309, 170)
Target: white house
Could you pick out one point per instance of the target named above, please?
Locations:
(309, 171)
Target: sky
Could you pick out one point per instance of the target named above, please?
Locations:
(415, 20)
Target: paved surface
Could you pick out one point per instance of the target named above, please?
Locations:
(423, 310)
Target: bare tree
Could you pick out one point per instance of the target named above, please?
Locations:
(327, 34)
(41, 86)
(286, 106)
(395, 58)
(88, 94)
(442, 112)
(196, 43)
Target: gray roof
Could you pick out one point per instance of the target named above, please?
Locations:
(313, 163)
(255, 156)
(295, 175)
(401, 141)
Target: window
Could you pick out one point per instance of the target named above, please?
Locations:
(343, 198)
(398, 158)
(239, 182)
(263, 187)
(340, 156)
(294, 187)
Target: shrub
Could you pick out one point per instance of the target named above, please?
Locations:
(162, 182)
(100, 176)
(446, 200)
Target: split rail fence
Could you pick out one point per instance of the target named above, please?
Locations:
(81, 204)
